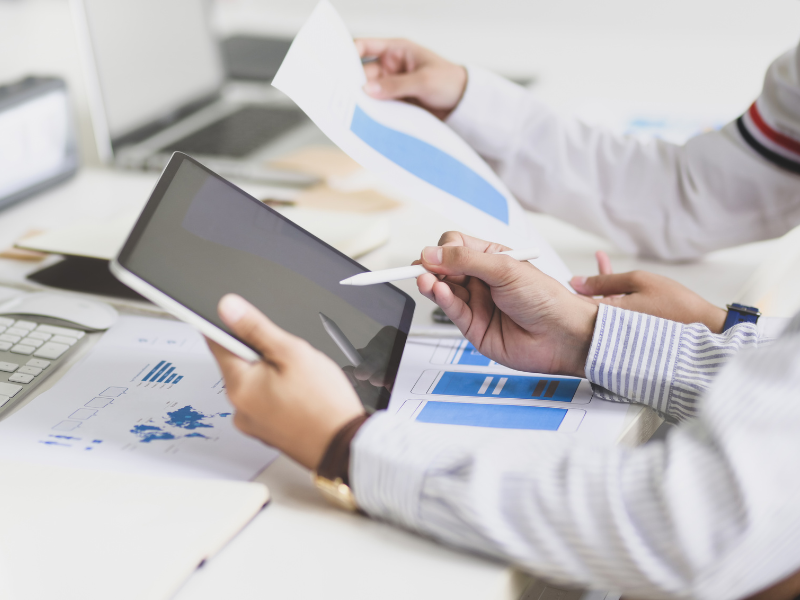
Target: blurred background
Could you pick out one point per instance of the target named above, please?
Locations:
(671, 66)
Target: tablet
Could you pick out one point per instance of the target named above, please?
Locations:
(200, 237)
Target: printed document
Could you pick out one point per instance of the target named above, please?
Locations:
(420, 156)
(148, 398)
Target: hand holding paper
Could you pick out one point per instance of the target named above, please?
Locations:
(407, 146)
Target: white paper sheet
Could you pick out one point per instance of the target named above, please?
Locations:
(408, 147)
(102, 414)
(420, 381)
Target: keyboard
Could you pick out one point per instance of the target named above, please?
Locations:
(30, 350)
(241, 132)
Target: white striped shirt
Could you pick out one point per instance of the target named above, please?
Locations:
(713, 512)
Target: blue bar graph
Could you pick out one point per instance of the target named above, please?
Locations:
(431, 165)
(156, 368)
(557, 389)
(470, 356)
(163, 372)
(492, 415)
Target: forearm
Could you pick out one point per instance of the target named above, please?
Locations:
(710, 513)
(665, 365)
(649, 197)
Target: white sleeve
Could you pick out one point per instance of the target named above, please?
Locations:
(713, 512)
(652, 198)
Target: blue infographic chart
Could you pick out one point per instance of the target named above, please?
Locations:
(470, 356)
(181, 423)
(163, 372)
(556, 389)
(431, 165)
(500, 416)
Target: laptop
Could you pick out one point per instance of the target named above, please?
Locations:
(157, 84)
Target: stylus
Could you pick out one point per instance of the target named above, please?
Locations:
(338, 336)
(373, 277)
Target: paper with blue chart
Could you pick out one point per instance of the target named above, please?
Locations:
(448, 382)
(415, 152)
(147, 398)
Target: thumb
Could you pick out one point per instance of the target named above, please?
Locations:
(493, 269)
(605, 285)
(393, 87)
(255, 329)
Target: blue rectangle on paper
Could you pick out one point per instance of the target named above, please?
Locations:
(470, 356)
(156, 368)
(164, 376)
(501, 416)
(431, 165)
(177, 379)
(556, 389)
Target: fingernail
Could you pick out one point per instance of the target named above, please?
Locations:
(232, 308)
(578, 281)
(432, 255)
(372, 88)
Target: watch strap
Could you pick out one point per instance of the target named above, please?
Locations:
(332, 477)
(739, 313)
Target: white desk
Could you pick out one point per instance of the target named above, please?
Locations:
(299, 547)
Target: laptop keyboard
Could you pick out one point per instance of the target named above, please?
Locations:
(29, 351)
(241, 132)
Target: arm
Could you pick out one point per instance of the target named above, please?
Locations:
(653, 198)
(710, 513)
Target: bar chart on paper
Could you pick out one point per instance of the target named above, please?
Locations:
(477, 385)
(430, 164)
(164, 372)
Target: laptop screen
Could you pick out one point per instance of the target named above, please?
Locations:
(151, 58)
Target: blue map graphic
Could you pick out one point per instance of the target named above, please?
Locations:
(431, 165)
(176, 421)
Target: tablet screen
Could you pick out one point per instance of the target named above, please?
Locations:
(200, 237)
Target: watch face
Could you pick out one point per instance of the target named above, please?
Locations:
(336, 492)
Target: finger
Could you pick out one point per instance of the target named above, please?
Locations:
(232, 366)
(371, 46)
(603, 263)
(456, 238)
(494, 269)
(454, 307)
(255, 329)
(373, 71)
(605, 285)
(395, 87)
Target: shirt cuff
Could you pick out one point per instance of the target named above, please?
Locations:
(388, 463)
(633, 355)
(488, 115)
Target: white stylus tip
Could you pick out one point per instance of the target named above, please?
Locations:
(346, 282)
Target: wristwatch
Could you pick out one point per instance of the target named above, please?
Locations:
(332, 477)
(336, 491)
(739, 313)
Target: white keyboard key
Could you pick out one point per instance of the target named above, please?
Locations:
(5, 345)
(3, 329)
(22, 349)
(27, 325)
(62, 339)
(8, 367)
(39, 364)
(30, 371)
(51, 350)
(29, 341)
(6, 322)
(10, 338)
(17, 331)
(20, 378)
(39, 335)
(3, 399)
(73, 333)
(6, 389)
